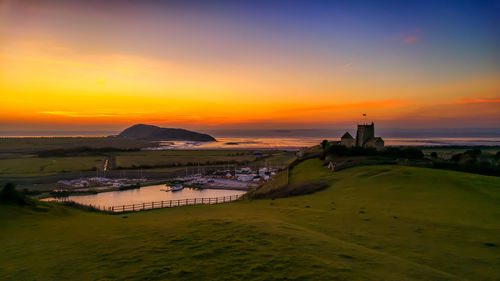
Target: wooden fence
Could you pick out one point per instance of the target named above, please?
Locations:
(166, 204)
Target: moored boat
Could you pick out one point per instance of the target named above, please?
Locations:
(176, 187)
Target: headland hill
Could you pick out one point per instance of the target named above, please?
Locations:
(155, 133)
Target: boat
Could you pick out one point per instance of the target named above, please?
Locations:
(175, 187)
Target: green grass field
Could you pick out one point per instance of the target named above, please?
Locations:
(180, 157)
(34, 166)
(30, 166)
(372, 223)
(30, 145)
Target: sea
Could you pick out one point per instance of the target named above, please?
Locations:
(302, 142)
(297, 139)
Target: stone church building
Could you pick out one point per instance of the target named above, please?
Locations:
(365, 137)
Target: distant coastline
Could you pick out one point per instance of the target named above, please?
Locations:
(292, 142)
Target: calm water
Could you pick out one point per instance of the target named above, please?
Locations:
(146, 194)
(296, 143)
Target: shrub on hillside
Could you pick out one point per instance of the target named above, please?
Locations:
(391, 152)
(293, 190)
(456, 157)
(412, 153)
(9, 194)
(324, 144)
(473, 153)
(83, 150)
(340, 150)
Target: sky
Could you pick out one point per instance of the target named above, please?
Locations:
(90, 65)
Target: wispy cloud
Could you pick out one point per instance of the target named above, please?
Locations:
(487, 100)
(348, 65)
(410, 37)
(76, 114)
(410, 40)
(348, 106)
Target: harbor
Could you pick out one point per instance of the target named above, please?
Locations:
(154, 193)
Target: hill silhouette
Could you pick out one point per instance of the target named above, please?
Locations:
(155, 133)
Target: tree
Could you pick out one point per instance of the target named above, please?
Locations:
(456, 157)
(9, 194)
(413, 153)
(324, 144)
(474, 153)
(434, 155)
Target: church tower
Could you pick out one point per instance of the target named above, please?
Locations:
(364, 133)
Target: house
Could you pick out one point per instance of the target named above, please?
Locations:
(347, 140)
(376, 142)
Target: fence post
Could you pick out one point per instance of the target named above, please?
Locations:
(133, 207)
(143, 206)
(113, 209)
(216, 200)
(178, 202)
(195, 201)
(186, 201)
(162, 203)
(170, 203)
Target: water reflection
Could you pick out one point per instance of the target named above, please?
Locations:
(297, 143)
(145, 194)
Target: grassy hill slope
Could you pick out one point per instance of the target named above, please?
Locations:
(372, 223)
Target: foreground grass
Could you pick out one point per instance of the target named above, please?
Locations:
(372, 223)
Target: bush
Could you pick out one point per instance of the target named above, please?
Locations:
(293, 190)
(474, 153)
(456, 157)
(340, 150)
(392, 152)
(83, 150)
(9, 194)
(324, 144)
(434, 155)
(412, 153)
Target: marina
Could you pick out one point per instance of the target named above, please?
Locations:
(154, 193)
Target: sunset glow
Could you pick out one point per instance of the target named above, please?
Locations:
(112, 63)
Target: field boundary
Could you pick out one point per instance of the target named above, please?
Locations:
(163, 204)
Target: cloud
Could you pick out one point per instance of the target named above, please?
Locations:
(76, 114)
(349, 106)
(409, 37)
(410, 40)
(487, 100)
(348, 65)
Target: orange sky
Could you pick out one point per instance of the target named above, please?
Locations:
(48, 80)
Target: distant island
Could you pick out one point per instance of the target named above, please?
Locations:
(155, 133)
